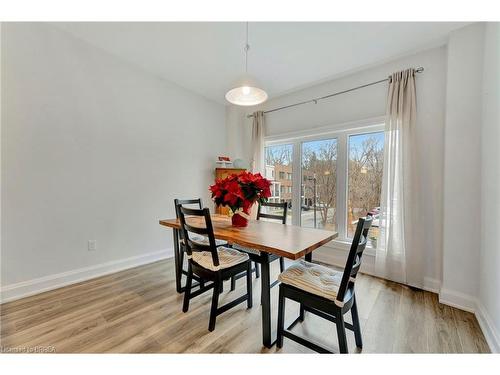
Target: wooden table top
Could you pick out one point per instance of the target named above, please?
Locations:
(288, 241)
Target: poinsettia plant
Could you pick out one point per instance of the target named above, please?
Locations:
(240, 191)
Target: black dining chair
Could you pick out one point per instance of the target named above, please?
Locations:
(193, 203)
(211, 263)
(255, 254)
(197, 203)
(324, 292)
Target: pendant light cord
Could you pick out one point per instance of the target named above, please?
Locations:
(247, 47)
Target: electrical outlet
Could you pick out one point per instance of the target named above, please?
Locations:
(92, 245)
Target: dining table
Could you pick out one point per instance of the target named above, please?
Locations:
(268, 238)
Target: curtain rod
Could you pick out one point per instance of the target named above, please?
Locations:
(315, 101)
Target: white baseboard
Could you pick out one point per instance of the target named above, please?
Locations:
(31, 287)
(490, 333)
(456, 299)
(432, 285)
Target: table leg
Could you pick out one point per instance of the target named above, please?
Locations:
(308, 258)
(178, 266)
(266, 300)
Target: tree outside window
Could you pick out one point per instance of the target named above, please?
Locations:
(365, 171)
(319, 190)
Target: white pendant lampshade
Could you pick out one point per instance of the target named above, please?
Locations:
(247, 92)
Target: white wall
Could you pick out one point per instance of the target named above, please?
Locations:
(462, 189)
(489, 267)
(369, 103)
(92, 149)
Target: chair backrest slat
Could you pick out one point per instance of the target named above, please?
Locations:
(208, 231)
(356, 266)
(196, 246)
(196, 202)
(353, 263)
(362, 244)
(282, 217)
(185, 202)
(198, 230)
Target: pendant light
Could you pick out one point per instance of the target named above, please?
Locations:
(247, 92)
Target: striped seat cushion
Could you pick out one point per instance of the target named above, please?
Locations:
(203, 240)
(313, 278)
(246, 249)
(227, 258)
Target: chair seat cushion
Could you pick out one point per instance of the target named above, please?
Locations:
(246, 249)
(227, 258)
(313, 278)
(204, 240)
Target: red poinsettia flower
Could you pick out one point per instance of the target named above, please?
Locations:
(262, 183)
(216, 189)
(247, 178)
(241, 191)
(233, 192)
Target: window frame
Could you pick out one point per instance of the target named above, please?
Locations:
(340, 132)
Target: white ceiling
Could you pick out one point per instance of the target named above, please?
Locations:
(208, 58)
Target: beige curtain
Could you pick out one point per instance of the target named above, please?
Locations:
(258, 129)
(394, 258)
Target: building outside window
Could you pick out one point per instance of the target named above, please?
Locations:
(279, 159)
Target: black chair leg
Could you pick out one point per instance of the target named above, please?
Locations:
(213, 308)
(282, 264)
(257, 270)
(221, 286)
(233, 283)
(249, 286)
(187, 291)
(341, 333)
(301, 313)
(281, 319)
(355, 323)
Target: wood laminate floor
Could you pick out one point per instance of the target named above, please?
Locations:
(138, 310)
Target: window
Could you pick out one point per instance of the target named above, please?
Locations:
(319, 188)
(275, 190)
(340, 178)
(365, 169)
(280, 159)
